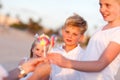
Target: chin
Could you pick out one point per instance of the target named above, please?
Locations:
(69, 44)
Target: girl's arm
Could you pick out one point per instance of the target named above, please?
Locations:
(41, 72)
(106, 58)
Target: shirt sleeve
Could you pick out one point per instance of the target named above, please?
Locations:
(116, 37)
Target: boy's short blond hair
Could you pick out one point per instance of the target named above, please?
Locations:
(76, 21)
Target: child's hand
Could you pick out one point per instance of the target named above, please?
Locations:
(31, 64)
(58, 59)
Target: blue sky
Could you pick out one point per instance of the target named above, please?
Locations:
(54, 12)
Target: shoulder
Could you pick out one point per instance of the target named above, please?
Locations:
(23, 60)
(58, 48)
(116, 35)
(80, 48)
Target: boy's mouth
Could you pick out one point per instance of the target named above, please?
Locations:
(68, 40)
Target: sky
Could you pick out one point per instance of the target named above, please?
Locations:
(54, 12)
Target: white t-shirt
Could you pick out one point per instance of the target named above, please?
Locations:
(59, 73)
(96, 46)
(3, 73)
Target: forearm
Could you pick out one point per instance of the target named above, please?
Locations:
(17, 73)
(87, 66)
(38, 77)
(35, 77)
(13, 74)
(41, 72)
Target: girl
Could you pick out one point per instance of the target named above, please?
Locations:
(38, 50)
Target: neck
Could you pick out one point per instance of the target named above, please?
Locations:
(112, 24)
(69, 47)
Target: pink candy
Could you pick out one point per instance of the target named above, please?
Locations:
(52, 41)
(44, 40)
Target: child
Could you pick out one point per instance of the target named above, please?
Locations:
(102, 57)
(72, 32)
(38, 50)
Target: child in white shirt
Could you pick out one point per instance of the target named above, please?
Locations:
(72, 33)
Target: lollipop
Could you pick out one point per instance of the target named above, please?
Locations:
(44, 41)
(52, 42)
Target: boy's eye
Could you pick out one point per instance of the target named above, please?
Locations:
(67, 31)
(107, 5)
(74, 34)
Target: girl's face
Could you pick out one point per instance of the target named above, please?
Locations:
(110, 10)
(38, 50)
(71, 35)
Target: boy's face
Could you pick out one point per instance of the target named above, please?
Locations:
(71, 35)
(38, 51)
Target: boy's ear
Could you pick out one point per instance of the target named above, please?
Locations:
(81, 40)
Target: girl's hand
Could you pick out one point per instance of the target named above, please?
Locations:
(59, 60)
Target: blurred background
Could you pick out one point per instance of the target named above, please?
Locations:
(49, 14)
(20, 20)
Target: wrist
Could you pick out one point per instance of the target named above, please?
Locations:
(22, 72)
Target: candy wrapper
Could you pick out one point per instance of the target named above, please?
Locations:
(46, 42)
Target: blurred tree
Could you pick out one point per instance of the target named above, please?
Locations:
(7, 19)
(34, 27)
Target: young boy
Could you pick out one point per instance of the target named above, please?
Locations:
(72, 32)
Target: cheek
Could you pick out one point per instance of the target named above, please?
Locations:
(35, 51)
(41, 51)
(117, 14)
(76, 39)
(63, 34)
